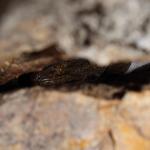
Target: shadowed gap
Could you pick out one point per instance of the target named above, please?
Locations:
(84, 75)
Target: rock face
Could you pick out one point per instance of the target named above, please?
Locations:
(86, 111)
(43, 119)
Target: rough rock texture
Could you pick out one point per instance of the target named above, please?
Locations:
(41, 119)
(91, 116)
(78, 26)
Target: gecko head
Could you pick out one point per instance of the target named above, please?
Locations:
(42, 80)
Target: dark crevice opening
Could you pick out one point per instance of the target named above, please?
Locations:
(84, 75)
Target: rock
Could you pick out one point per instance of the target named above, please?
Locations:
(107, 114)
(44, 119)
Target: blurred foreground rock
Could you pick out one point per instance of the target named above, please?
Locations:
(37, 33)
(41, 119)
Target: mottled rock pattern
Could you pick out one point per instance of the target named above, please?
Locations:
(100, 27)
(44, 119)
(34, 34)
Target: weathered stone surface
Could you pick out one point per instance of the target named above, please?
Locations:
(34, 34)
(97, 27)
(44, 119)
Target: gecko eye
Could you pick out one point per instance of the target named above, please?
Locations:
(36, 78)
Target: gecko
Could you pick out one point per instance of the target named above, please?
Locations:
(81, 70)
